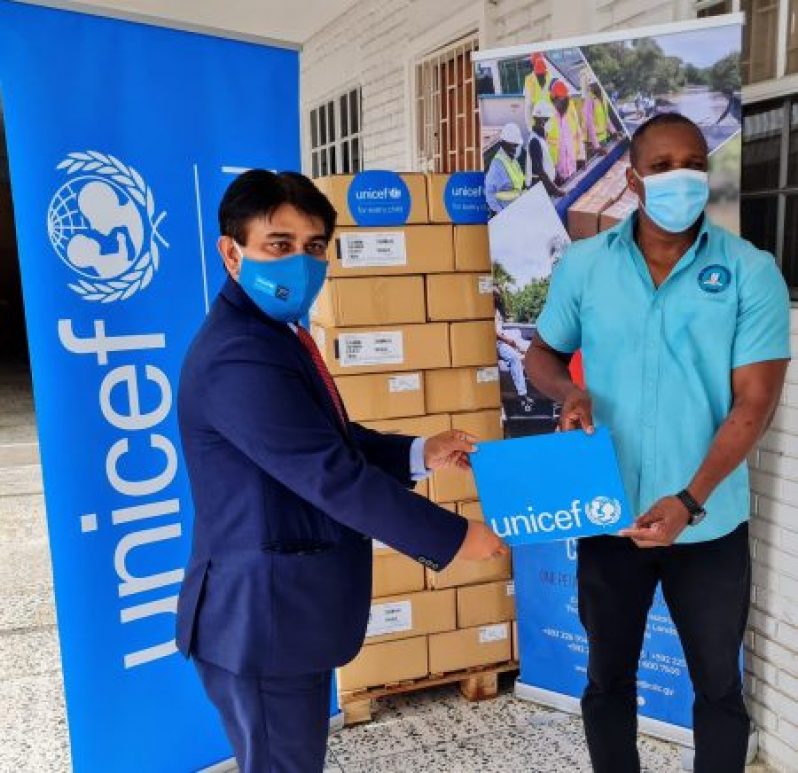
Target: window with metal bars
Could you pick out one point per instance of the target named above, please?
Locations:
(335, 136)
(447, 112)
(769, 198)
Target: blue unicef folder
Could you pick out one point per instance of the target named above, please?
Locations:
(546, 488)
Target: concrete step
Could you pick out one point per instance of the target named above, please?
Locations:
(19, 454)
(23, 479)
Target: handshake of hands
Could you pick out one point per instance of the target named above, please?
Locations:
(451, 449)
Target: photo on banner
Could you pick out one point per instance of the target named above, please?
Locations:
(557, 121)
(556, 129)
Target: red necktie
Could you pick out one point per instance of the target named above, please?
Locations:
(315, 355)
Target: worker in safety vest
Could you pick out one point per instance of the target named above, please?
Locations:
(537, 87)
(597, 118)
(504, 181)
(539, 163)
(564, 133)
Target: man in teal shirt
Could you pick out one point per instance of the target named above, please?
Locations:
(684, 330)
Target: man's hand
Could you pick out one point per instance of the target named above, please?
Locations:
(449, 449)
(577, 411)
(481, 543)
(660, 526)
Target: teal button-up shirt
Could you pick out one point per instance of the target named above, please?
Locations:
(658, 361)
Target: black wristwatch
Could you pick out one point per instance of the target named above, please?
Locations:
(696, 512)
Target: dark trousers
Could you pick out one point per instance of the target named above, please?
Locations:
(275, 724)
(707, 588)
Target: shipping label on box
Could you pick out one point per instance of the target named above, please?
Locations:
(369, 249)
(414, 249)
(487, 375)
(391, 617)
(412, 614)
(407, 382)
(469, 648)
(492, 633)
(382, 348)
(348, 351)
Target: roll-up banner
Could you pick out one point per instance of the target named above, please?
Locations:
(573, 105)
(121, 138)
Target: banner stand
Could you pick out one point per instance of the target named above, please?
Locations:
(665, 731)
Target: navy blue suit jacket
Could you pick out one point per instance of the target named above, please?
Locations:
(286, 500)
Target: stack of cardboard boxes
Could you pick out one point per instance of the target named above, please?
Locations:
(405, 323)
(604, 205)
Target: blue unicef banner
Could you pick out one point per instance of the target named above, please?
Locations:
(553, 645)
(464, 198)
(121, 138)
(531, 493)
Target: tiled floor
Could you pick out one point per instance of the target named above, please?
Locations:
(439, 732)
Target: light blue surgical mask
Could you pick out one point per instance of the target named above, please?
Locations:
(675, 199)
(283, 289)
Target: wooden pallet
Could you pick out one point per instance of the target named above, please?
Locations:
(476, 684)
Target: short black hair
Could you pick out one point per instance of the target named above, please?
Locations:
(258, 192)
(663, 119)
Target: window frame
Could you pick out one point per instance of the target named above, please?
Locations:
(333, 136)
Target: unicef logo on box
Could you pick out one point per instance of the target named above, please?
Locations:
(103, 224)
(464, 198)
(379, 198)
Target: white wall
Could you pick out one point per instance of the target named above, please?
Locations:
(376, 44)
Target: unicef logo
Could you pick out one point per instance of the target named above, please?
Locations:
(464, 198)
(102, 223)
(379, 198)
(603, 511)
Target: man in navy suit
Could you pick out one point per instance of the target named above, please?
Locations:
(287, 491)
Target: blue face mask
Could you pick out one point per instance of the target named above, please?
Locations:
(283, 289)
(675, 199)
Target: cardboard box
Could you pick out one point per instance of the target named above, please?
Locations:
(379, 300)
(452, 485)
(395, 573)
(460, 297)
(415, 249)
(583, 216)
(486, 425)
(386, 663)
(382, 395)
(473, 343)
(461, 572)
(492, 602)
(619, 211)
(417, 426)
(471, 248)
(471, 510)
(412, 614)
(516, 651)
(458, 650)
(349, 351)
(436, 198)
(462, 389)
(336, 189)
